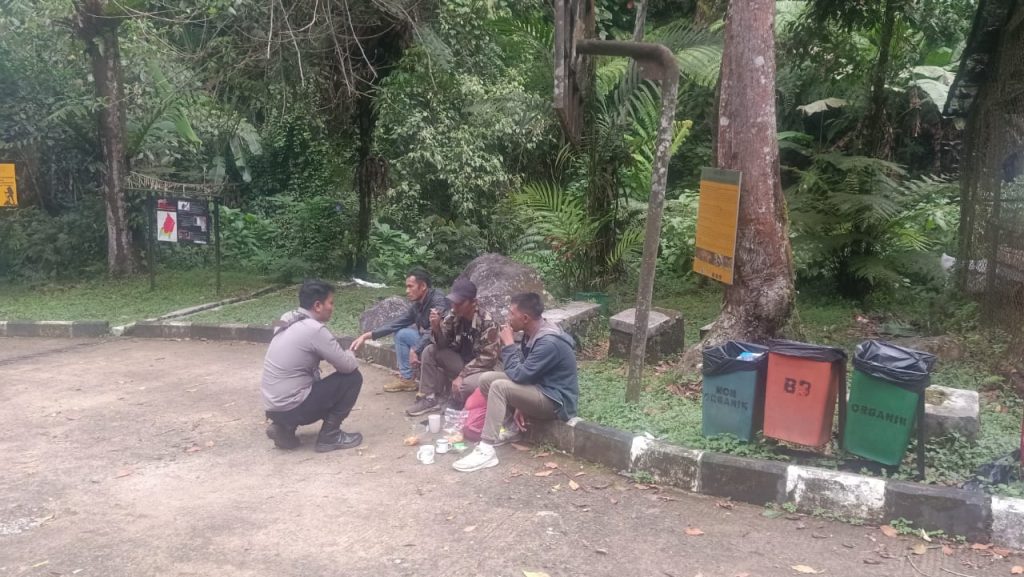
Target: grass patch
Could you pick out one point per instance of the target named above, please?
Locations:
(349, 303)
(122, 300)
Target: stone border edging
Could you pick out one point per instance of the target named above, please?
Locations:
(976, 516)
(54, 329)
(230, 301)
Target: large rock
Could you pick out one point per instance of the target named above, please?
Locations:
(383, 312)
(497, 278)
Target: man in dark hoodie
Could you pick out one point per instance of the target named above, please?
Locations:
(411, 330)
(539, 380)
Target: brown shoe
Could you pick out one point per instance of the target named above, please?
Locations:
(401, 385)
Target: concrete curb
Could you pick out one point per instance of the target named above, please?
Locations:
(976, 516)
(54, 329)
(189, 330)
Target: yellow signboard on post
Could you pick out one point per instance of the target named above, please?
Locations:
(8, 186)
(717, 215)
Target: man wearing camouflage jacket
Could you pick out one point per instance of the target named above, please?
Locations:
(464, 346)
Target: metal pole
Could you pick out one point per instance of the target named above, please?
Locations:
(656, 63)
(216, 238)
(151, 239)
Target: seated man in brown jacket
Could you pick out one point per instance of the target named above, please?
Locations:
(464, 346)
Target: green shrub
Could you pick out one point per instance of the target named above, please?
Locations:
(393, 253)
(450, 246)
(37, 246)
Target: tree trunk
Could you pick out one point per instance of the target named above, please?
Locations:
(99, 32)
(874, 140)
(760, 301)
(371, 179)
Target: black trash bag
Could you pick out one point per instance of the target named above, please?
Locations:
(807, 351)
(1001, 471)
(723, 359)
(900, 366)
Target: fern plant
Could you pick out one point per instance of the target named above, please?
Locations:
(862, 224)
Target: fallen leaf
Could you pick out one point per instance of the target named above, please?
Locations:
(556, 487)
(1017, 570)
(947, 550)
(519, 447)
(515, 473)
(889, 531)
(542, 455)
(600, 486)
(694, 532)
(542, 473)
(725, 504)
(870, 561)
(535, 574)
(981, 546)
(924, 535)
(580, 474)
(193, 449)
(123, 473)
(806, 569)
(450, 517)
(744, 574)
(551, 465)
(1001, 552)
(210, 443)
(470, 529)
(574, 485)
(613, 500)
(919, 549)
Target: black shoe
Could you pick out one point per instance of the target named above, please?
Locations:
(284, 438)
(424, 405)
(337, 440)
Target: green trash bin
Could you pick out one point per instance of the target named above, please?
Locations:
(885, 400)
(732, 399)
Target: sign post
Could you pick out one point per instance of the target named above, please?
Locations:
(717, 216)
(8, 186)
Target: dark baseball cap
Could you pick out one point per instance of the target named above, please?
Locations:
(463, 289)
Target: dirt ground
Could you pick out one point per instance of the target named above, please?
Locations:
(148, 457)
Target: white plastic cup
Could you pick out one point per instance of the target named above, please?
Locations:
(434, 421)
(426, 454)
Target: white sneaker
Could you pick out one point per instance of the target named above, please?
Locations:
(482, 457)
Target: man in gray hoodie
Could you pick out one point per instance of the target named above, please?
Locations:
(539, 381)
(293, 392)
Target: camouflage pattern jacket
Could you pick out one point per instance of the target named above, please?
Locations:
(476, 342)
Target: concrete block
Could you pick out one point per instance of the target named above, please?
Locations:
(176, 330)
(90, 329)
(668, 464)
(255, 333)
(213, 332)
(560, 434)
(576, 318)
(955, 511)
(379, 354)
(741, 479)
(54, 329)
(1008, 522)
(664, 334)
(949, 410)
(3, 328)
(842, 493)
(602, 445)
(704, 330)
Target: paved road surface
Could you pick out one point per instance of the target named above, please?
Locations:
(147, 457)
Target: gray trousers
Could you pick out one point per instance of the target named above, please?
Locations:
(504, 396)
(439, 368)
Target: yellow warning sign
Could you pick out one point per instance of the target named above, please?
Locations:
(717, 215)
(8, 186)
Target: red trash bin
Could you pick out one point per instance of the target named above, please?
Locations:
(802, 386)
